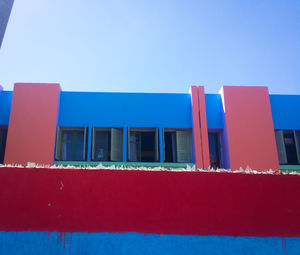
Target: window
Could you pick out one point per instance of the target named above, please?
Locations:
(178, 145)
(214, 150)
(107, 144)
(288, 142)
(71, 144)
(3, 135)
(143, 145)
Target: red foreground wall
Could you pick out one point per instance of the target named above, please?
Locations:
(149, 202)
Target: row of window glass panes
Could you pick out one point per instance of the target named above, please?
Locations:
(107, 144)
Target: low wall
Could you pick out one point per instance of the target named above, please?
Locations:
(194, 203)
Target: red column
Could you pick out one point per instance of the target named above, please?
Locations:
(196, 127)
(203, 127)
(250, 130)
(200, 127)
(32, 124)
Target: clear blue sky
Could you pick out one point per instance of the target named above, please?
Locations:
(153, 45)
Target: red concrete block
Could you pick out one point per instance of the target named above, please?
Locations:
(250, 129)
(204, 132)
(196, 127)
(32, 124)
(200, 127)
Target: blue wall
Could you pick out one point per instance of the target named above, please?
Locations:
(285, 111)
(125, 109)
(5, 104)
(134, 110)
(134, 243)
(150, 110)
(214, 111)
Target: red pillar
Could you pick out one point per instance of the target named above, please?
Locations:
(250, 130)
(200, 127)
(32, 124)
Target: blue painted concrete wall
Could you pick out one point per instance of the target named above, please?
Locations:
(5, 104)
(150, 110)
(125, 109)
(134, 243)
(214, 111)
(134, 110)
(285, 111)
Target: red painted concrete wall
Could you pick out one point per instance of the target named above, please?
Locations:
(250, 130)
(203, 127)
(198, 203)
(196, 127)
(32, 124)
(200, 127)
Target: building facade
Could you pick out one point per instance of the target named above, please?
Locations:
(237, 128)
(107, 211)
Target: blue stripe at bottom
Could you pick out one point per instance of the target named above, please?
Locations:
(134, 243)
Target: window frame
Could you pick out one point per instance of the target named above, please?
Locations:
(190, 133)
(59, 142)
(156, 142)
(93, 143)
(219, 146)
(281, 146)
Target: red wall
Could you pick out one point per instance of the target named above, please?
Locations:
(199, 203)
(200, 127)
(250, 130)
(32, 124)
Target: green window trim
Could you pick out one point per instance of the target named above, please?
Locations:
(125, 164)
(290, 168)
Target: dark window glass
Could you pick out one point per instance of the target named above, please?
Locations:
(290, 148)
(170, 147)
(72, 145)
(107, 144)
(102, 146)
(214, 150)
(143, 145)
(3, 135)
(178, 145)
